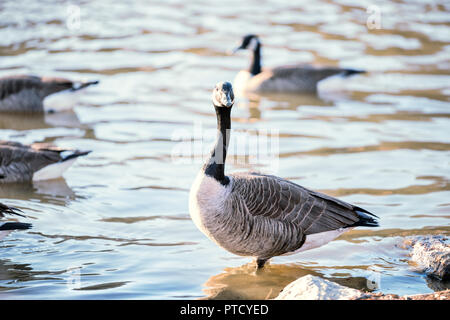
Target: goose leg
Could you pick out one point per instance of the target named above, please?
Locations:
(260, 262)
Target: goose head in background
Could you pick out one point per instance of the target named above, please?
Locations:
(6, 227)
(26, 93)
(251, 42)
(288, 78)
(263, 216)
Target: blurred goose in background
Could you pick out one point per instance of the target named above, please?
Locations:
(258, 215)
(8, 227)
(39, 161)
(25, 93)
(289, 78)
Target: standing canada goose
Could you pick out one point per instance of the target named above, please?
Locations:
(290, 78)
(8, 227)
(26, 93)
(39, 161)
(258, 215)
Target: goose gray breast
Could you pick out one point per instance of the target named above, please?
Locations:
(26, 93)
(19, 163)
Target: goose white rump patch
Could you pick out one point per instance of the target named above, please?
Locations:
(53, 171)
(319, 239)
(61, 101)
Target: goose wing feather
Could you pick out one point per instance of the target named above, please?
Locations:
(42, 86)
(281, 200)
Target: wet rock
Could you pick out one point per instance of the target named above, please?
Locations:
(315, 288)
(431, 255)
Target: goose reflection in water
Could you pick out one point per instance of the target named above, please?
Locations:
(33, 121)
(50, 191)
(268, 284)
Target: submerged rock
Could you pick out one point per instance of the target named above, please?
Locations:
(431, 255)
(315, 288)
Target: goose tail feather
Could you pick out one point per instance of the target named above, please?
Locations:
(8, 226)
(75, 154)
(4, 209)
(81, 85)
(366, 219)
(351, 72)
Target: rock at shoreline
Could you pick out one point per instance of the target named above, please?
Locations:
(315, 288)
(432, 255)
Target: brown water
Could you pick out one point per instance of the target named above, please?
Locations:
(117, 225)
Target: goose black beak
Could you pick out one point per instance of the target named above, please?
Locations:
(235, 50)
(223, 95)
(227, 101)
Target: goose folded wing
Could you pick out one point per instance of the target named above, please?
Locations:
(306, 72)
(15, 84)
(19, 162)
(282, 200)
(42, 86)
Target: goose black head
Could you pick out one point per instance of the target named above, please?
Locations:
(223, 95)
(249, 42)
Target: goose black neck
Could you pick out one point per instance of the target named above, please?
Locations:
(255, 66)
(215, 166)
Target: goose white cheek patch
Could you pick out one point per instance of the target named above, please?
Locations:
(61, 101)
(253, 44)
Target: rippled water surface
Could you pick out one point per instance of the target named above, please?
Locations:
(117, 226)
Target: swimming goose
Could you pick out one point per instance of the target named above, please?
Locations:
(8, 227)
(259, 215)
(39, 161)
(290, 78)
(25, 93)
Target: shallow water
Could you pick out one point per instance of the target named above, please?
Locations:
(117, 226)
